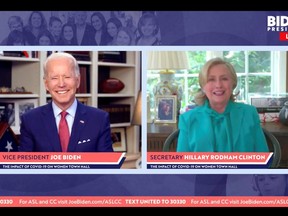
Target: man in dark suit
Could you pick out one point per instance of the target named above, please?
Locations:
(89, 127)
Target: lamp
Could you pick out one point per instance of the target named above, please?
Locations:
(167, 62)
(136, 120)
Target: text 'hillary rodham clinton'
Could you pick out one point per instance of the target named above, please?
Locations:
(210, 157)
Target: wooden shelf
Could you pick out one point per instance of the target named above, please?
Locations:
(18, 59)
(111, 64)
(18, 96)
(28, 72)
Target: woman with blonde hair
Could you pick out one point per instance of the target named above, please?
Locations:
(218, 123)
(270, 185)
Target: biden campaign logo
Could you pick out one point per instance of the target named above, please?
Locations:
(278, 24)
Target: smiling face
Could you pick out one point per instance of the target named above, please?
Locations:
(271, 185)
(36, 20)
(56, 28)
(80, 18)
(96, 23)
(15, 23)
(61, 82)
(44, 40)
(112, 29)
(123, 38)
(219, 86)
(148, 27)
(68, 33)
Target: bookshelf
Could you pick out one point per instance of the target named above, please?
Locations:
(28, 72)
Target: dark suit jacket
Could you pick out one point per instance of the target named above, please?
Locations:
(89, 34)
(90, 131)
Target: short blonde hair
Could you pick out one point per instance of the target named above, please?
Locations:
(200, 96)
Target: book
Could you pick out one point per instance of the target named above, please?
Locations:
(13, 53)
(6, 74)
(268, 109)
(84, 80)
(118, 113)
(80, 55)
(112, 56)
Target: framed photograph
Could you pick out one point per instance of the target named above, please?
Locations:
(25, 105)
(118, 136)
(166, 109)
(7, 112)
(270, 101)
(12, 110)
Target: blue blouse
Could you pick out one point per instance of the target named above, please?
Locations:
(237, 129)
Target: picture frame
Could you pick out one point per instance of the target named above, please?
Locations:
(12, 110)
(165, 109)
(25, 106)
(7, 112)
(118, 136)
(268, 102)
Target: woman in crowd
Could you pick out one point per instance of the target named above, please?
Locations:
(113, 25)
(124, 37)
(98, 21)
(67, 35)
(36, 23)
(45, 38)
(270, 185)
(148, 29)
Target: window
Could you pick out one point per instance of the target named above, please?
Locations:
(259, 72)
